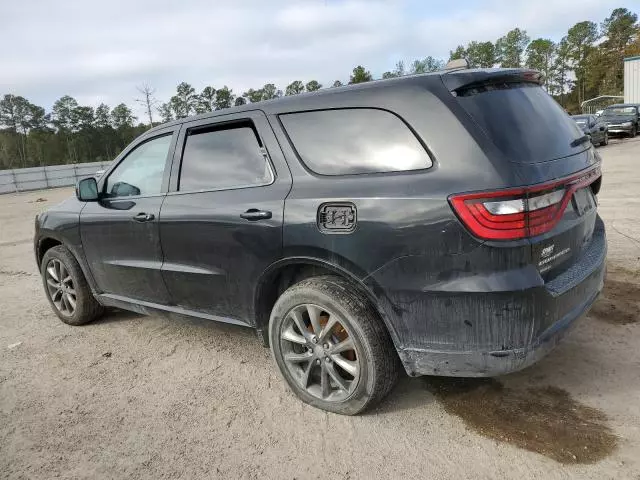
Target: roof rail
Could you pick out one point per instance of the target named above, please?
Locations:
(457, 64)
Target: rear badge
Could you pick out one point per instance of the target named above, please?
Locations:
(546, 251)
(337, 217)
(547, 256)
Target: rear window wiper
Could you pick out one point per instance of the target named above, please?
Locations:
(579, 141)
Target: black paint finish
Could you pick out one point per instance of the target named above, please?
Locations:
(123, 252)
(453, 304)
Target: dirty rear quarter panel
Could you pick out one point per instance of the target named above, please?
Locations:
(400, 216)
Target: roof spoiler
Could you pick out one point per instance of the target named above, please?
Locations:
(459, 78)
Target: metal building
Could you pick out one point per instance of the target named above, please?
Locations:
(632, 79)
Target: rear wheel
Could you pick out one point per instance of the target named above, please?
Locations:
(633, 132)
(67, 290)
(331, 346)
(605, 140)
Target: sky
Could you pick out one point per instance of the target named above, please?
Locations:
(100, 51)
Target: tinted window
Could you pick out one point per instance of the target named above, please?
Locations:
(614, 111)
(140, 173)
(216, 159)
(350, 141)
(523, 121)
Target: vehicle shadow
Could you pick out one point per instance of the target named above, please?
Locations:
(196, 329)
(114, 315)
(408, 394)
(576, 365)
(579, 365)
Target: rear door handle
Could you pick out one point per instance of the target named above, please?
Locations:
(144, 217)
(254, 214)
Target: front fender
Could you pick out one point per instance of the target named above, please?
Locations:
(63, 226)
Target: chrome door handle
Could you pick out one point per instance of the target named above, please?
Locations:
(254, 214)
(144, 217)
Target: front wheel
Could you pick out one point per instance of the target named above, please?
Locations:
(67, 290)
(605, 140)
(331, 346)
(633, 132)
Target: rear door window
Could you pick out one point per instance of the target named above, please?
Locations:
(216, 158)
(354, 141)
(523, 121)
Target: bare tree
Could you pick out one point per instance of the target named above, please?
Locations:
(148, 100)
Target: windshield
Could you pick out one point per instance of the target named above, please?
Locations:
(582, 121)
(523, 121)
(616, 111)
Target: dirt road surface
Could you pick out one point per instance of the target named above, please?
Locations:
(146, 397)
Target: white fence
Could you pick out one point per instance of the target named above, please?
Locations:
(37, 178)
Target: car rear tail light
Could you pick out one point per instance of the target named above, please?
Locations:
(521, 212)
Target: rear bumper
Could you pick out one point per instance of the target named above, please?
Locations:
(494, 363)
(500, 323)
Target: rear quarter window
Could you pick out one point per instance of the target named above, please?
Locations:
(354, 141)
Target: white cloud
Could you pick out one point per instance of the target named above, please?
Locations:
(99, 51)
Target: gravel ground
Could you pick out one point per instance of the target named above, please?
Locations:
(146, 397)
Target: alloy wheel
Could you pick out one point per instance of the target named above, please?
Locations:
(60, 287)
(319, 352)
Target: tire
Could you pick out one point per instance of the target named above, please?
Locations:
(605, 140)
(86, 307)
(633, 132)
(356, 320)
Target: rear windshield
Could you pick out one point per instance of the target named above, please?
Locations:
(523, 121)
(580, 120)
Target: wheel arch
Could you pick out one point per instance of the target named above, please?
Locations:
(46, 243)
(284, 273)
(48, 240)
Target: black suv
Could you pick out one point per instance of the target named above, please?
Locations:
(596, 128)
(443, 222)
(623, 119)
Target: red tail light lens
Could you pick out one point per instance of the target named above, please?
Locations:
(521, 212)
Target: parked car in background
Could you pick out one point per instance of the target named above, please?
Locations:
(622, 119)
(595, 127)
(445, 222)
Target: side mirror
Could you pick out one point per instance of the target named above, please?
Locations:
(87, 190)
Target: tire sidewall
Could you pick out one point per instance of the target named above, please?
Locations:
(299, 295)
(61, 254)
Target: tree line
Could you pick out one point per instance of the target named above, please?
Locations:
(585, 63)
